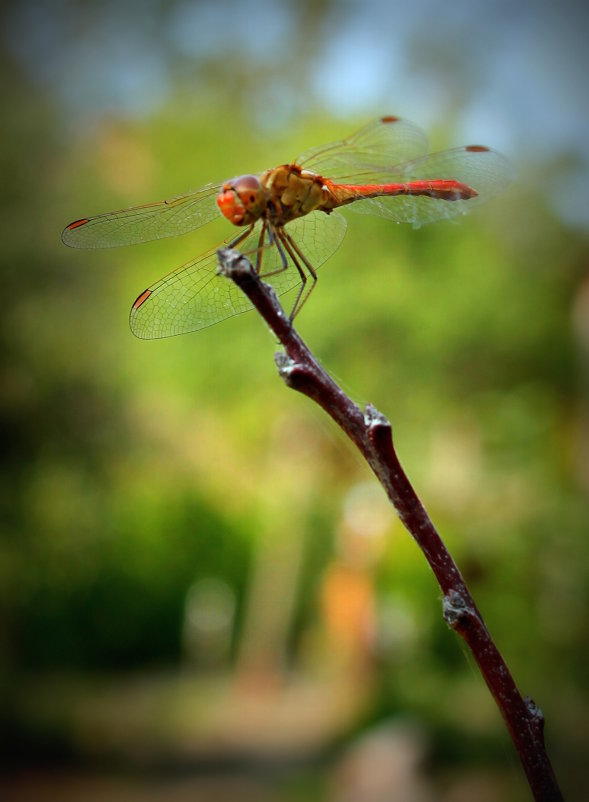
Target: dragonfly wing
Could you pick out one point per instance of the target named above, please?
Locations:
(482, 169)
(190, 298)
(194, 297)
(167, 218)
(380, 144)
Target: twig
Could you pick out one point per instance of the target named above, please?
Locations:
(372, 434)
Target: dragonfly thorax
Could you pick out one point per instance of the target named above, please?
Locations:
(292, 193)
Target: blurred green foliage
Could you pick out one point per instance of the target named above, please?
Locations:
(131, 470)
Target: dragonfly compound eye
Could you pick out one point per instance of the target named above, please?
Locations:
(246, 183)
(242, 200)
(249, 190)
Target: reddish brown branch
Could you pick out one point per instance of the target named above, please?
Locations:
(371, 432)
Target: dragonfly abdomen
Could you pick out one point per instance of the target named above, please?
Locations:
(440, 188)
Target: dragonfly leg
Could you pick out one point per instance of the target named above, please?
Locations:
(240, 237)
(284, 242)
(273, 239)
(294, 251)
(260, 249)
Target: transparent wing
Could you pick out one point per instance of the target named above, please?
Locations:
(167, 218)
(482, 169)
(194, 296)
(382, 143)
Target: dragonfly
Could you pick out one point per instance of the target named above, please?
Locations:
(289, 220)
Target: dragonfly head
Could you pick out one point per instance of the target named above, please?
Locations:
(242, 200)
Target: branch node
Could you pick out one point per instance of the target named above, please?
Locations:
(296, 375)
(283, 360)
(374, 419)
(456, 610)
(535, 712)
(380, 435)
(285, 364)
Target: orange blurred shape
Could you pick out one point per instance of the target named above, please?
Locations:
(347, 603)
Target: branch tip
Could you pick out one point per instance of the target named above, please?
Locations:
(233, 264)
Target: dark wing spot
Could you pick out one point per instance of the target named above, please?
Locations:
(142, 298)
(476, 149)
(77, 223)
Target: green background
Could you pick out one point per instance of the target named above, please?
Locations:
(203, 593)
